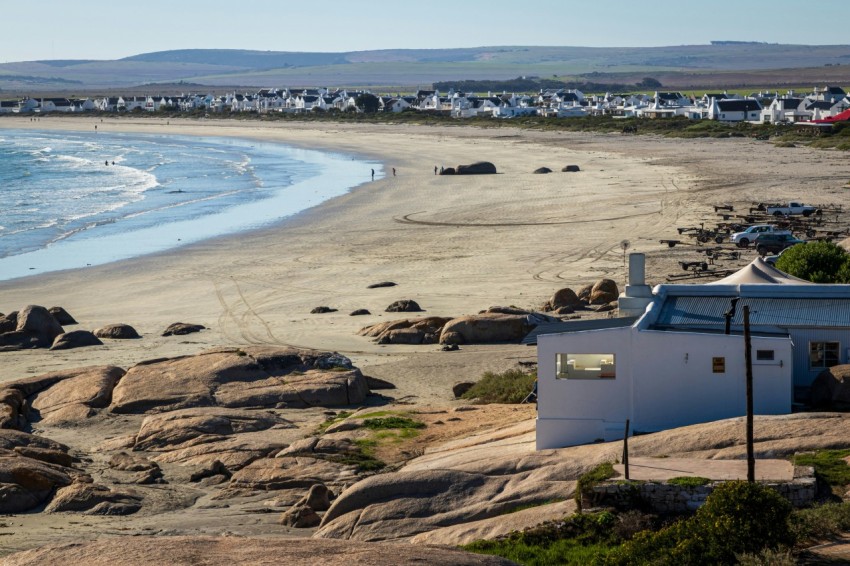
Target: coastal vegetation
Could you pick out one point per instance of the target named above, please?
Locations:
(511, 386)
(819, 262)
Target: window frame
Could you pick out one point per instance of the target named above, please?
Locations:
(821, 347)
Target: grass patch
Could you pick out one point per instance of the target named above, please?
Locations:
(511, 386)
(376, 414)
(689, 481)
(829, 465)
(819, 523)
(384, 423)
(340, 416)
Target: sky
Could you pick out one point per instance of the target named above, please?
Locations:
(97, 29)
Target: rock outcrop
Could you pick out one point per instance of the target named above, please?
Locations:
(478, 168)
(486, 328)
(604, 291)
(404, 305)
(407, 331)
(118, 331)
(181, 328)
(220, 551)
(542, 171)
(563, 298)
(75, 339)
(76, 396)
(35, 327)
(31, 469)
(94, 499)
(831, 388)
(241, 378)
(62, 316)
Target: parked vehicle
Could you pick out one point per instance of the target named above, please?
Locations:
(774, 243)
(792, 208)
(772, 259)
(745, 238)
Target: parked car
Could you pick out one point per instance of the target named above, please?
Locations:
(774, 243)
(745, 238)
(772, 259)
(793, 208)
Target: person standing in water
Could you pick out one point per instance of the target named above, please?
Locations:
(373, 174)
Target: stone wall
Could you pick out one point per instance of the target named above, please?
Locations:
(670, 499)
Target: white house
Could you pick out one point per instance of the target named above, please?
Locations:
(744, 110)
(674, 364)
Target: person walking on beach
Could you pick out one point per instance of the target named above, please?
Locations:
(373, 174)
(393, 171)
(435, 169)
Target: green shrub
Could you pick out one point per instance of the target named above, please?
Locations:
(511, 386)
(392, 423)
(689, 481)
(819, 262)
(738, 517)
(820, 523)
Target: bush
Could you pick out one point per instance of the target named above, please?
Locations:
(597, 475)
(689, 481)
(829, 465)
(511, 386)
(818, 262)
(737, 518)
(821, 522)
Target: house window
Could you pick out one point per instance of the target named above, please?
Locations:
(585, 366)
(718, 365)
(764, 355)
(823, 354)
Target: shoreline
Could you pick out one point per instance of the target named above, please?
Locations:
(456, 245)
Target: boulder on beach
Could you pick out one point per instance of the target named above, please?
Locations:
(75, 339)
(300, 516)
(35, 327)
(407, 331)
(381, 284)
(76, 396)
(181, 328)
(542, 171)
(478, 168)
(250, 377)
(62, 316)
(322, 310)
(603, 292)
(486, 328)
(30, 470)
(571, 169)
(9, 322)
(584, 294)
(565, 297)
(448, 171)
(404, 305)
(117, 332)
(359, 312)
(94, 499)
(458, 389)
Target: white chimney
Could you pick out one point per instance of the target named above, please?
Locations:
(638, 294)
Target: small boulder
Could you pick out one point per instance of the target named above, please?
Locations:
(478, 168)
(322, 310)
(359, 312)
(411, 336)
(404, 305)
(300, 517)
(603, 292)
(9, 323)
(460, 388)
(571, 169)
(584, 294)
(117, 332)
(75, 339)
(94, 499)
(542, 171)
(486, 328)
(36, 321)
(125, 462)
(381, 284)
(565, 297)
(318, 498)
(62, 316)
(448, 171)
(375, 383)
(181, 328)
(215, 468)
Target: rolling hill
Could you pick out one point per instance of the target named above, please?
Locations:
(421, 67)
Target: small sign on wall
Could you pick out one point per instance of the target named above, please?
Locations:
(718, 365)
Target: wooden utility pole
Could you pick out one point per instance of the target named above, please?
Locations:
(626, 450)
(748, 358)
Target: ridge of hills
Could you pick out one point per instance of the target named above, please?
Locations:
(422, 67)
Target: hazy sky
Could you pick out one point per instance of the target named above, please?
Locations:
(96, 29)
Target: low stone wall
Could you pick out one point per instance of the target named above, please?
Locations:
(670, 499)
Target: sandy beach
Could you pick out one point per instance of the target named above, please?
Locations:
(456, 245)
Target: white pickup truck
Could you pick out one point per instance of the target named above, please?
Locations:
(792, 208)
(748, 236)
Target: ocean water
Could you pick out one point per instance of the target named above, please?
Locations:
(71, 200)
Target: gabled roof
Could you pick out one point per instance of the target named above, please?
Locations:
(738, 105)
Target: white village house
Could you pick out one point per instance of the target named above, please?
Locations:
(672, 364)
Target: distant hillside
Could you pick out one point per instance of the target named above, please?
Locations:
(421, 67)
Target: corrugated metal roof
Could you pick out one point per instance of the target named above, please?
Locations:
(577, 326)
(782, 312)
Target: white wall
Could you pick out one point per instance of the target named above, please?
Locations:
(663, 380)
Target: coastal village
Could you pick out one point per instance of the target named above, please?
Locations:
(822, 103)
